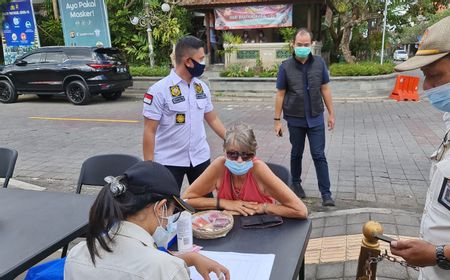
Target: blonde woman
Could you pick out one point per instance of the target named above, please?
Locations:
(244, 184)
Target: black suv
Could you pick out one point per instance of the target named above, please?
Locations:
(79, 72)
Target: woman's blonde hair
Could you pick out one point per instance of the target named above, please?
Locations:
(242, 136)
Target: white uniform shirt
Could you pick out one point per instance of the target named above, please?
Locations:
(435, 226)
(133, 257)
(180, 108)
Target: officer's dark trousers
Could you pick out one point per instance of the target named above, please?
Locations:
(191, 172)
(316, 137)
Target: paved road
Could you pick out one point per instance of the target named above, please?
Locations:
(377, 154)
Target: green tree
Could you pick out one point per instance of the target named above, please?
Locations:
(168, 29)
(409, 35)
(346, 15)
(229, 44)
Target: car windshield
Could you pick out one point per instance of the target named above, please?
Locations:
(401, 52)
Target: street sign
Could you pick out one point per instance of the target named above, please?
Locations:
(85, 23)
(19, 34)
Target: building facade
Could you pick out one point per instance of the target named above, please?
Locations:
(258, 23)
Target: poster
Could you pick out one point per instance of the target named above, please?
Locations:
(85, 23)
(253, 17)
(19, 34)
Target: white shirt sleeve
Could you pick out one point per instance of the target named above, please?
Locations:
(154, 104)
(209, 106)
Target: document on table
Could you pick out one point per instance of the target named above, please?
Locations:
(241, 266)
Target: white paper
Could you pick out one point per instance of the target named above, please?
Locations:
(241, 266)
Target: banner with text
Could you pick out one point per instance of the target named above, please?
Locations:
(19, 34)
(85, 23)
(252, 17)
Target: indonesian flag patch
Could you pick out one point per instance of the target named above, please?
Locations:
(148, 99)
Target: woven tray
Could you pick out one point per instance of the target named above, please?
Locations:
(211, 224)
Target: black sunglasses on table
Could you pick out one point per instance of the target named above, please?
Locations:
(234, 155)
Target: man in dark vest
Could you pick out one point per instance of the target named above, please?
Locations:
(302, 91)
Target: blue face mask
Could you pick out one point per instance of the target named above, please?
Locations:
(238, 168)
(302, 52)
(197, 70)
(162, 236)
(440, 97)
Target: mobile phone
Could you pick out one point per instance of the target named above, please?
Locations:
(280, 133)
(384, 238)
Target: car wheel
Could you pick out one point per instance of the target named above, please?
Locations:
(7, 92)
(112, 95)
(78, 93)
(45, 96)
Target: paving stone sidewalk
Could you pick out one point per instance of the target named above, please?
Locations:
(335, 242)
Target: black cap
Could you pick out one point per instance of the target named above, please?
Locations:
(152, 177)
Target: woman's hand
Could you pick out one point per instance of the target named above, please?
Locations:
(205, 266)
(244, 208)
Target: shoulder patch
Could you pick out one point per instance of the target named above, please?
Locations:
(148, 99)
(444, 194)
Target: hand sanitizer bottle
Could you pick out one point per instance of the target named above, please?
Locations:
(184, 232)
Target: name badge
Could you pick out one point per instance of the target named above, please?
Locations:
(178, 99)
(444, 195)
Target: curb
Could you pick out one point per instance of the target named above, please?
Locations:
(316, 215)
(224, 98)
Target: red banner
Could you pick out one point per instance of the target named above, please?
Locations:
(253, 17)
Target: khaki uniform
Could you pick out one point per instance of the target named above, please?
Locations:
(435, 227)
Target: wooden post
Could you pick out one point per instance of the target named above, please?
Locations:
(208, 37)
(309, 23)
(55, 9)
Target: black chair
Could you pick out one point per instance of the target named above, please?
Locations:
(281, 172)
(8, 159)
(96, 168)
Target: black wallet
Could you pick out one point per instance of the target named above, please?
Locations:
(260, 221)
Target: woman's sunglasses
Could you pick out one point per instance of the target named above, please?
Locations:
(233, 155)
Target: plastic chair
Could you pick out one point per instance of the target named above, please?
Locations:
(96, 168)
(281, 172)
(8, 159)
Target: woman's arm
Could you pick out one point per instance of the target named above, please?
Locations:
(205, 184)
(290, 205)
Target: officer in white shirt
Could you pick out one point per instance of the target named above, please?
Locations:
(432, 251)
(131, 217)
(174, 110)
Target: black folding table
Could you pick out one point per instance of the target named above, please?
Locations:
(35, 224)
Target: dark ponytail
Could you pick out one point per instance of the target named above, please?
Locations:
(109, 210)
(104, 213)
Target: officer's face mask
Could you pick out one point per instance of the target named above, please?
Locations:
(439, 97)
(162, 235)
(198, 69)
(302, 52)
